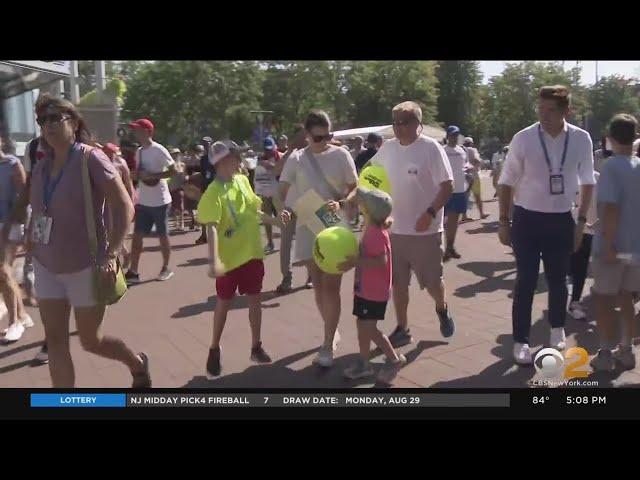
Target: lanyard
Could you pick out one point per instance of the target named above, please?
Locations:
(232, 210)
(546, 154)
(48, 186)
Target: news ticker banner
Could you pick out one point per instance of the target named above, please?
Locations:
(212, 400)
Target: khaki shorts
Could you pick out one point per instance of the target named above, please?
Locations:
(613, 278)
(421, 254)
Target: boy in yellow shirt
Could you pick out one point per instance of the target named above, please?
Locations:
(230, 210)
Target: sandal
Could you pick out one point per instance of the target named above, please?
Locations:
(142, 379)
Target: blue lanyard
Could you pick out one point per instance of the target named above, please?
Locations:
(546, 154)
(232, 209)
(48, 186)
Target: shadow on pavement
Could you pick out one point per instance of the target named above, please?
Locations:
(156, 248)
(22, 348)
(487, 227)
(279, 375)
(239, 303)
(195, 262)
(506, 374)
(15, 366)
(493, 281)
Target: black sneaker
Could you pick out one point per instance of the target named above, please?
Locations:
(452, 253)
(42, 358)
(400, 337)
(447, 327)
(213, 363)
(142, 379)
(447, 256)
(258, 355)
(132, 278)
(285, 286)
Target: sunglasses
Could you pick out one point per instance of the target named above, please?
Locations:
(321, 138)
(52, 117)
(401, 123)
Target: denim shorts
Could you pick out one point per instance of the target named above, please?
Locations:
(146, 217)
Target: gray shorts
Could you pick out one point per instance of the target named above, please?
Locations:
(76, 287)
(613, 278)
(420, 254)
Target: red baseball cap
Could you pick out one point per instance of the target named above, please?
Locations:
(143, 123)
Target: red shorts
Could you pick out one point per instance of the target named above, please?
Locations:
(247, 279)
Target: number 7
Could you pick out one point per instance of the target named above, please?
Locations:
(266, 400)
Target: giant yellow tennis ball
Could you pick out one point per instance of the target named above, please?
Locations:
(375, 176)
(333, 246)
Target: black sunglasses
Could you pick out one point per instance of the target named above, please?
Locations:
(401, 123)
(52, 117)
(320, 138)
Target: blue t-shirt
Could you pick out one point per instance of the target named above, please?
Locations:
(620, 184)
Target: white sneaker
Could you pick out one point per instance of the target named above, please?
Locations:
(603, 361)
(336, 339)
(390, 369)
(14, 332)
(522, 354)
(558, 339)
(165, 274)
(324, 358)
(576, 311)
(625, 356)
(27, 322)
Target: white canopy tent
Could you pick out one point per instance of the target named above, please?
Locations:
(386, 131)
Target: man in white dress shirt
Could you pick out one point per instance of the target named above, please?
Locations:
(545, 165)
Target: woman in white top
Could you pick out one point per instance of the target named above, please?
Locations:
(336, 175)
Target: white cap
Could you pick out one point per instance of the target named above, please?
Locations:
(468, 140)
(221, 149)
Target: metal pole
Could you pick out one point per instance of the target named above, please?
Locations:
(596, 71)
(100, 80)
(73, 82)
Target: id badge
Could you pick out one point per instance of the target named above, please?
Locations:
(556, 184)
(41, 229)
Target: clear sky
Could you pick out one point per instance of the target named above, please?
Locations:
(605, 68)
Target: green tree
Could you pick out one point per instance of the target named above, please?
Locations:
(512, 96)
(610, 96)
(189, 99)
(459, 83)
(374, 87)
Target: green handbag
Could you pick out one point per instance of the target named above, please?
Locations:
(107, 290)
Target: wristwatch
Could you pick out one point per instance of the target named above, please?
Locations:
(432, 212)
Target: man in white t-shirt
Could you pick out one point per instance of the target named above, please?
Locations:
(155, 166)
(421, 183)
(457, 204)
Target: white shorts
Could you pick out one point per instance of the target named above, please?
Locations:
(16, 232)
(76, 287)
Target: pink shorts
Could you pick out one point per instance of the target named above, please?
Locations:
(246, 279)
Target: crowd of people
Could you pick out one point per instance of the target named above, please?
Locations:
(545, 183)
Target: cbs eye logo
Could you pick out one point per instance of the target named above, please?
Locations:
(550, 363)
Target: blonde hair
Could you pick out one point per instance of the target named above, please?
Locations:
(411, 107)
